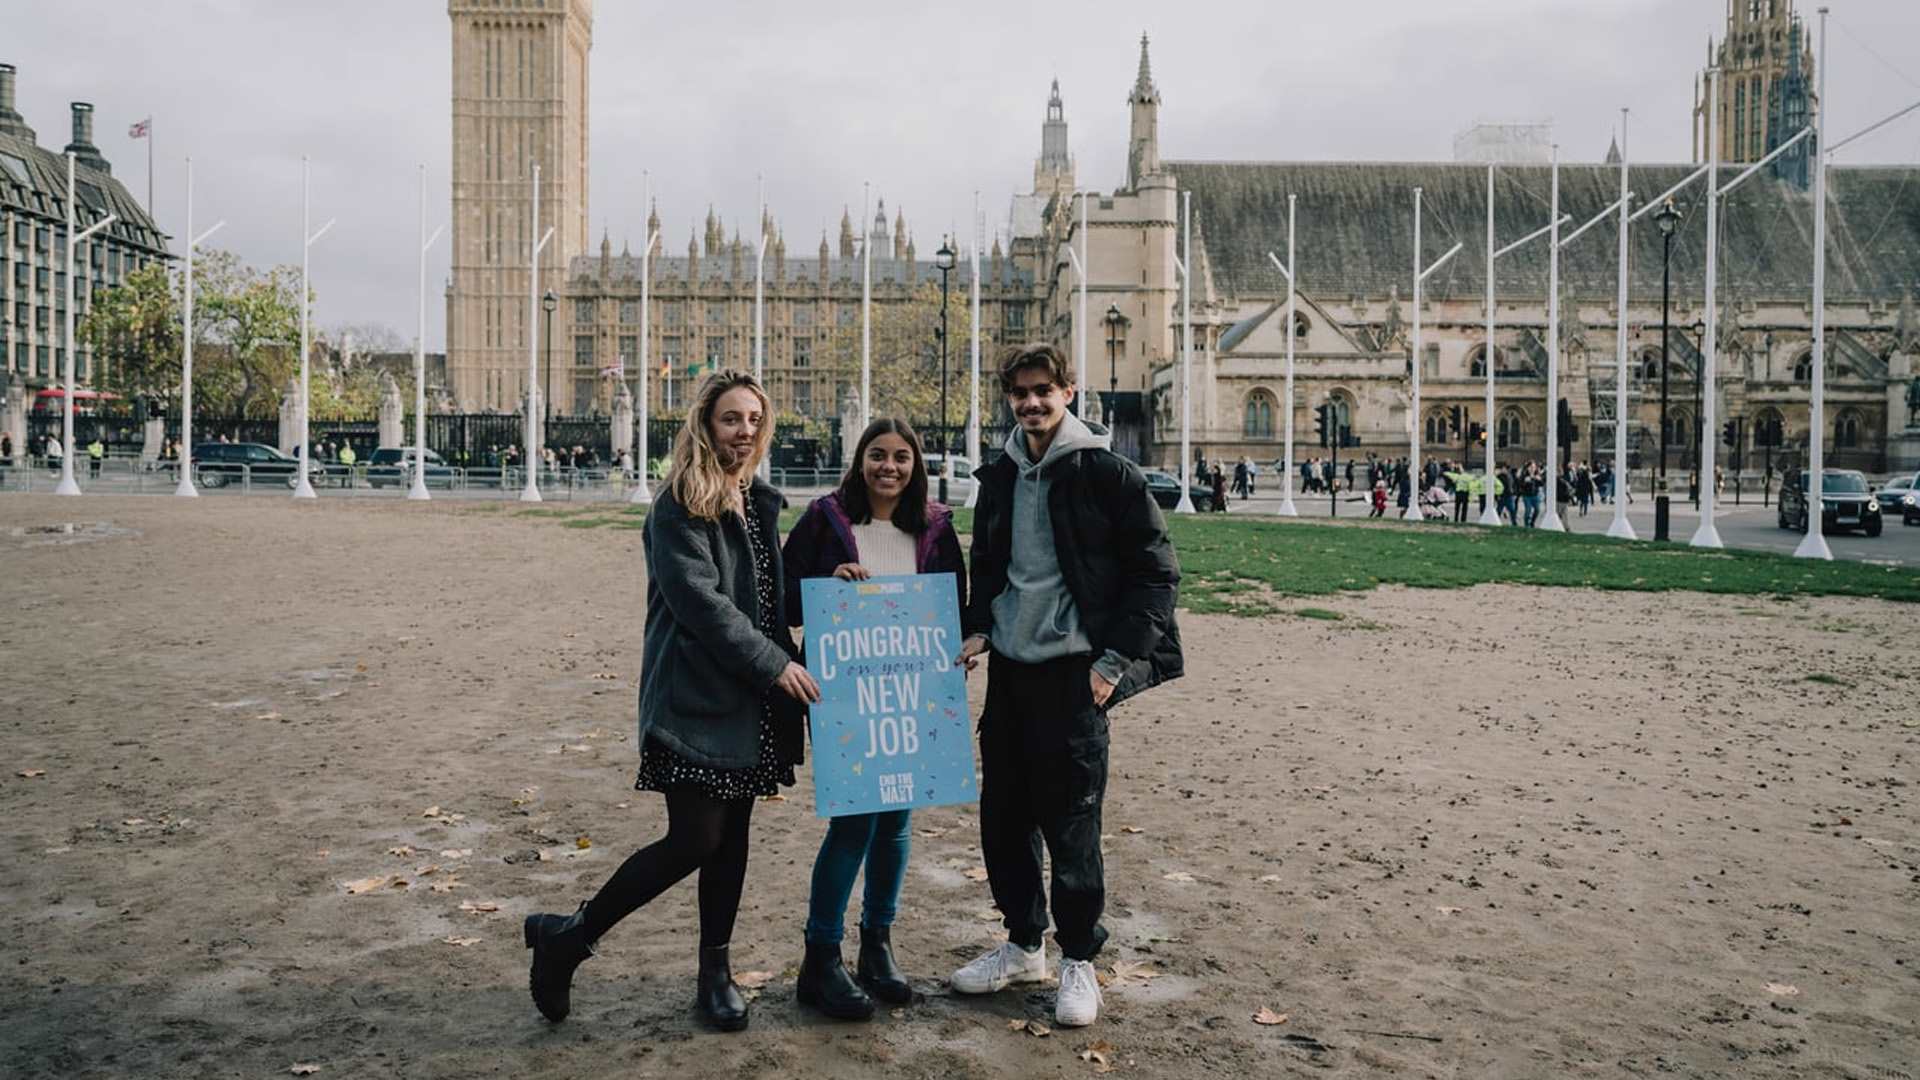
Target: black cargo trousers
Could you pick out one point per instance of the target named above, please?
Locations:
(1043, 765)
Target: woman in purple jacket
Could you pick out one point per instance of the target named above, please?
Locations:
(879, 521)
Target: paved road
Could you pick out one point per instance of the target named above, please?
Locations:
(1749, 525)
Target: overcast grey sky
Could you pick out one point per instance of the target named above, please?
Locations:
(930, 103)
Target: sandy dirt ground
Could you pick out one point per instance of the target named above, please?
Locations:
(1499, 832)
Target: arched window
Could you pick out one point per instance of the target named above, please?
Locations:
(1434, 429)
(1679, 428)
(1846, 430)
(1257, 420)
(1477, 362)
(1342, 408)
(1300, 326)
(1648, 368)
(1803, 367)
(1769, 429)
(1511, 424)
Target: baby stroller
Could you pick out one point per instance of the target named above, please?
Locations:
(1436, 503)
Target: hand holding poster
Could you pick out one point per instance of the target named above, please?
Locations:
(891, 729)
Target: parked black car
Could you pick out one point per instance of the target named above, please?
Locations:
(1166, 491)
(1845, 502)
(220, 464)
(1901, 495)
(394, 465)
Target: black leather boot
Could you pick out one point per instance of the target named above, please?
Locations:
(878, 973)
(718, 1000)
(559, 944)
(825, 985)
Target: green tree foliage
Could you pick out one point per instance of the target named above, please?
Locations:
(134, 331)
(906, 358)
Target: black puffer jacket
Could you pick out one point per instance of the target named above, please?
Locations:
(1114, 553)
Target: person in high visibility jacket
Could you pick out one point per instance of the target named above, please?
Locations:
(96, 453)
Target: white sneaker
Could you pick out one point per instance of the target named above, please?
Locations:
(1078, 1003)
(999, 968)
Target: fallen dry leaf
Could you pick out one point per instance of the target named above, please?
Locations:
(478, 907)
(775, 797)
(1132, 830)
(1099, 1055)
(268, 716)
(1783, 989)
(978, 873)
(1446, 909)
(456, 853)
(1131, 973)
(575, 748)
(1032, 1027)
(989, 915)
(608, 675)
(932, 833)
(134, 821)
(426, 871)
(31, 773)
(403, 851)
(304, 1069)
(1268, 1018)
(375, 884)
(621, 805)
(1263, 878)
(752, 980)
(1180, 876)
(582, 843)
(461, 941)
(447, 884)
(431, 811)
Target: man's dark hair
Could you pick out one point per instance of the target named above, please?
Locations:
(910, 513)
(1038, 354)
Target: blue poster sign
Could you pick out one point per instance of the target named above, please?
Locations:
(891, 730)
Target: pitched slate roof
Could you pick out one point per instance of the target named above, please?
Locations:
(1356, 230)
(33, 182)
(719, 267)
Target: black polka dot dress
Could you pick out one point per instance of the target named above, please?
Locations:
(663, 770)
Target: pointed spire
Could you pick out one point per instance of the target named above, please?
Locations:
(1613, 150)
(653, 218)
(1143, 88)
(846, 233)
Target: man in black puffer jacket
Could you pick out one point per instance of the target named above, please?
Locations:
(1073, 583)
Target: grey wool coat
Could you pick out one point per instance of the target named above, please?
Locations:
(706, 665)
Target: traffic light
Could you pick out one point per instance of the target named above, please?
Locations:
(1323, 424)
(1730, 433)
(1476, 433)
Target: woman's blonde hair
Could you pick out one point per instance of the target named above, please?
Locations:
(698, 476)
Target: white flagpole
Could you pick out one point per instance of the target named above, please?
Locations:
(1080, 319)
(759, 318)
(1490, 515)
(1705, 535)
(641, 493)
(418, 490)
(1550, 517)
(1814, 546)
(1414, 513)
(535, 241)
(1621, 528)
(866, 321)
(303, 487)
(186, 487)
(1287, 509)
(1185, 505)
(973, 382)
(68, 486)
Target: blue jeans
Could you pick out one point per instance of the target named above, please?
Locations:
(1533, 509)
(880, 841)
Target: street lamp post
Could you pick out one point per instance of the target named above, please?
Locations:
(1114, 321)
(1667, 218)
(548, 303)
(944, 259)
(1695, 464)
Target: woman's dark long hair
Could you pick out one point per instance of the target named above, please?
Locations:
(910, 513)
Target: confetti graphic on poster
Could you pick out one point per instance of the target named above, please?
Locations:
(891, 730)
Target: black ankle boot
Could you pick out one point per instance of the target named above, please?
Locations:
(825, 985)
(559, 944)
(718, 1000)
(878, 973)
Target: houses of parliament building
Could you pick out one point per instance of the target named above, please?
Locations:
(520, 94)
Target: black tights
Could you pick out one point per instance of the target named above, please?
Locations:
(704, 834)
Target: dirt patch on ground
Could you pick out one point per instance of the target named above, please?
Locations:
(1479, 833)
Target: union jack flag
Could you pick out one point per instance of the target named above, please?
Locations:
(141, 130)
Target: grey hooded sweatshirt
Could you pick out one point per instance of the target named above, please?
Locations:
(1035, 619)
